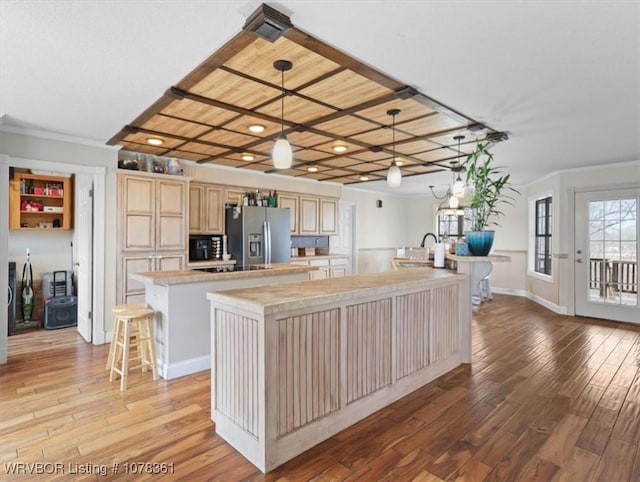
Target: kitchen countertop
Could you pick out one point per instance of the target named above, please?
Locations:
(493, 258)
(288, 296)
(185, 276)
(319, 256)
(210, 262)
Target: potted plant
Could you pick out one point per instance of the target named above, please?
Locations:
(489, 188)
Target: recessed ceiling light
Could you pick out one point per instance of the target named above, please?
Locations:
(257, 128)
(247, 157)
(154, 141)
(399, 163)
(339, 148)
(312, 168)
(364, 178)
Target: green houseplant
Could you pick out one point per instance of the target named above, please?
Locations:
(489, 188)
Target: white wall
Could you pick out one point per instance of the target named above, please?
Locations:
(49, 250)
(420, 218)
(557, 293)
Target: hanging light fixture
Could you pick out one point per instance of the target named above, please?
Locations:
(394, 175)
(458, 185)
(282, 154)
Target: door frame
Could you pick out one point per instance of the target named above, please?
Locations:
(99, 174)
(571, 192)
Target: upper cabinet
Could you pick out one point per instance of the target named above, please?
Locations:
(153, 213)
(290, 201)
(328, 216)
(40, 202)
(234, 195)
(206, 209)
(309, 223)
(309, 215)
(318, 215)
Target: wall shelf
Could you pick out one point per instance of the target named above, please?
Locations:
(21, 188)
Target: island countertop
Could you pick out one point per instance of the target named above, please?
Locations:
(289, 296)
(186, 276)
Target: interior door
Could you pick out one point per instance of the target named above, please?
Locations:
(84, 254)
(607, 249)
(343, 242)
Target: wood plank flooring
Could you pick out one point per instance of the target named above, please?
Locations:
(547, 398)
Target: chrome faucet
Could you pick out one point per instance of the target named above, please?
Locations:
(424, 239)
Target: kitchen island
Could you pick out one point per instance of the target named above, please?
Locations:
(478, 268)
(295, 363)
(179, 298)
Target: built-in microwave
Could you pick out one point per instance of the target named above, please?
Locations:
(203, 247)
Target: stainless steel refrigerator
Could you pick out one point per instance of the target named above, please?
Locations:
(258, 235)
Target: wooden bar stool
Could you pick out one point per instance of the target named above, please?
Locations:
(133, 321)
(116, 310)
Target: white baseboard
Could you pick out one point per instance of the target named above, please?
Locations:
(509, 291)
(561, 310)
(183, 368)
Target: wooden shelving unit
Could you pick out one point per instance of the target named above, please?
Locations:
(53, 193)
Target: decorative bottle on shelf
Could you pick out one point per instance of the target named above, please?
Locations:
(275, 199)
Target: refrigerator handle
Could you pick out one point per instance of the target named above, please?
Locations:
(269, 241)
(267, 251)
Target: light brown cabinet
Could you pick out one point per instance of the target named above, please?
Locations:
(309, 215)
(40, 202)
(328, 216)
(318, 215)
(152, 228)
(290, 201)
(206, 209)
(327, 267)
(234, 195)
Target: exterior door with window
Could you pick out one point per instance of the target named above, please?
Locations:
(606, 258)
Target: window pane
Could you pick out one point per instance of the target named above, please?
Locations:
(596, 230)
(596, 210)
(628, 209)
(628, 252)
(596, 250)
(612, 231)
(628, 230)
(612, 209)
(612, 250)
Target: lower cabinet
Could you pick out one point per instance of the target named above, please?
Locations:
(132, 291)
(327, 267)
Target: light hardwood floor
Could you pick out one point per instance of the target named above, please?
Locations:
(548, 398)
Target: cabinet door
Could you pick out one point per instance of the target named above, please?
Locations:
(308, 215)
(137, 199)
(322, 273)
(170, 262)
(196, 209)
(214, 210)
(328, 216)
(233, 195)
(290, 201)
(170, 217)
(338, 271)
(130, 289)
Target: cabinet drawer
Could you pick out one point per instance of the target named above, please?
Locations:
(319, 262)
(338, 261)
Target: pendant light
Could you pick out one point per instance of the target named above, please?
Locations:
(394, 175)
(458, 185)
(282, 154)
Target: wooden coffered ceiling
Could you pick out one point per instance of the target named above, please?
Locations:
(330, 98)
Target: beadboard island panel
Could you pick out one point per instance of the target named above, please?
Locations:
(295, 363)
